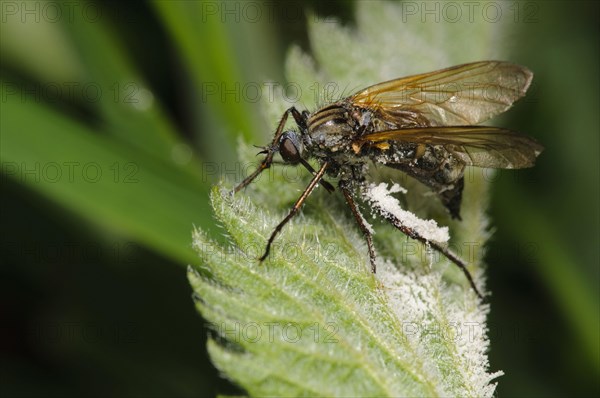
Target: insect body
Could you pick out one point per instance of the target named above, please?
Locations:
(423, 125)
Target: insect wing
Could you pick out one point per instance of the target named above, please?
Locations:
(460, 95)
(480, 146)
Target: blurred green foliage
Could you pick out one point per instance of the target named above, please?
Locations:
(110, 139)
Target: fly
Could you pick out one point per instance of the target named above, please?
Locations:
(423, 125)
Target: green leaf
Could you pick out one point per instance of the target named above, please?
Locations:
(314, 312)
(124, 167)
(118, 93)
(100, 179)
(214, 50)
(312, 319)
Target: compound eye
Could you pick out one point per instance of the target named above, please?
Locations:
(288, 151)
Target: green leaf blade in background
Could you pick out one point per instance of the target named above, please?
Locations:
(222, 63)
(149, 175)
(99, 179)
(126, 106)
(98, 76)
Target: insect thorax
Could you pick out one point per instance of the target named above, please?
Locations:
(331, 129)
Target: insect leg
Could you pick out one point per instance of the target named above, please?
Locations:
(271, 149)
(411, 233)
(312, 171)
(324, 183)
(361, 223)
(311, 187)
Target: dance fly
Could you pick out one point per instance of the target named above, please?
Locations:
(424, 125)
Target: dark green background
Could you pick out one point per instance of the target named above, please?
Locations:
(93, 295)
